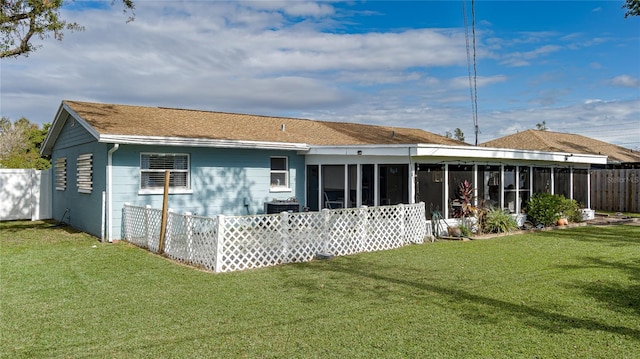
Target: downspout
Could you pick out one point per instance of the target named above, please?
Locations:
(109, 192)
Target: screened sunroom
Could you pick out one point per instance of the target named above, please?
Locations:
(346, 177)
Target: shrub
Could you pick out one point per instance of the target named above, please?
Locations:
(571, 210)
(499, 221)
(545, 209)
(466, 228)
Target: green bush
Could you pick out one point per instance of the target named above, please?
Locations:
(545, 209)
(499, 221)
(570, 209)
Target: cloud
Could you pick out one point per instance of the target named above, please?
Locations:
(481, 81)
(625, 81)
(524, 58)
(299, 59)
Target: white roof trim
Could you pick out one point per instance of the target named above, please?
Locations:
(456, 152)
(201, 142)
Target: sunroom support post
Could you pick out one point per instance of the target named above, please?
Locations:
(359, 185)
(346, 192)
(445, 191)
(376, 189)
(571, 183)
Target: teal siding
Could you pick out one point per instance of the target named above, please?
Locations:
(223, 181)
(81, 210)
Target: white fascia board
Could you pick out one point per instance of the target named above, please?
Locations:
(507, 154)
(201, 142)
(364, 150)
(446, 152)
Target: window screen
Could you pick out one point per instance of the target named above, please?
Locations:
(154, 165)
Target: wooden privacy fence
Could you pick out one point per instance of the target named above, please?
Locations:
(615, 190)
(233, 243)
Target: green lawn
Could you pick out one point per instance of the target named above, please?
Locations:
(571, 293)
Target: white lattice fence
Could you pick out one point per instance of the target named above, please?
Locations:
(192, 239)
(142, 226)
(416, 228)
(232, 243)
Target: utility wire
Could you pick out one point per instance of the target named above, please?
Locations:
(473, 81)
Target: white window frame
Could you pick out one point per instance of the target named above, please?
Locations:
(160, 189)
(84, 177)
(283, 187)
(61, 173)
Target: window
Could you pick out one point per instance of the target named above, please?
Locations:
(85, 173)
(279, 173)
(154, 165)
(61, 173)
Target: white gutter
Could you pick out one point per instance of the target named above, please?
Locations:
(110, 191)
(201, 142)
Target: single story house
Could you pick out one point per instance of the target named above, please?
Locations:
(550, 141)
(106, 155)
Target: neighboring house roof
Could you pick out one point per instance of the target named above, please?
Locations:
(109, 120)
(564, 142)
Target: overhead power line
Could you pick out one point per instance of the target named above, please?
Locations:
(473, 80)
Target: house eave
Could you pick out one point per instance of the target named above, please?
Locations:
(456, 152)
(201, 142)
(509, 154)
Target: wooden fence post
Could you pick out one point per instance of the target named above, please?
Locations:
(165, 203)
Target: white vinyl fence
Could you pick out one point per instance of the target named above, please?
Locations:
(25, 194)
(233, 243)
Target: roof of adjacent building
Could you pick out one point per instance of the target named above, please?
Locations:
(126, 120)
(536, 140)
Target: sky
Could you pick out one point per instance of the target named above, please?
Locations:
(574, 65)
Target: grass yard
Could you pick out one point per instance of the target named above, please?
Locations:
(571, 293)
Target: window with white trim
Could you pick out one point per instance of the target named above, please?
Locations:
(154, 165)
(279, 173)
(61, 173)
(85, 173)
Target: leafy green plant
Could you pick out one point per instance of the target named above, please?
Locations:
(466, 228)
(545, 209)
(499, 221)
(570, 209)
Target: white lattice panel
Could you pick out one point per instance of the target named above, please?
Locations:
(232, 243)
(415, 223)
(385, 228)
(346, 235)
(304, 236)
(250, 242)
(203, 242)
(142, 226)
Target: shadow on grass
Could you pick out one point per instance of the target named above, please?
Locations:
(618, 235)
(616, 296)
(469, 304)
(18, 226)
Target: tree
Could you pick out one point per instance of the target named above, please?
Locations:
(633, 8)
(20, 20)
(457, 134)
(542, 126)
(20, 144)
